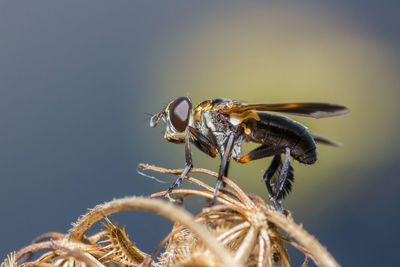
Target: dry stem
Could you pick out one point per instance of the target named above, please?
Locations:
(318, 252)
(160, 207)
(241, 230)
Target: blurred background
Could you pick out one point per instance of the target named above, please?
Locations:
(78, 77)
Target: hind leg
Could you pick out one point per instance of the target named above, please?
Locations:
(276, 196)
(270, 172)
(265, 151)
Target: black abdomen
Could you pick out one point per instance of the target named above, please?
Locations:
(276, 130)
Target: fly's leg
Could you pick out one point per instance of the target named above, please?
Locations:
(226, 172)
(260, 152)
(201, 142)
(281, 180)
(269, 173)
(223, 166)
(188, 163)
(266, 151)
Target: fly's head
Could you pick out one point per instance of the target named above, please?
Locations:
(177, 116)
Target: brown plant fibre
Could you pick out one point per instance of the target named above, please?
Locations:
(241, 230)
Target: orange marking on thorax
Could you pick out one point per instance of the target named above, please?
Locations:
(244, 159)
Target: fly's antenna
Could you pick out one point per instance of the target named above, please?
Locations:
(154, 119)
(147, 117)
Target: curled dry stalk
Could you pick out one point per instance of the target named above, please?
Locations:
(242, 230)
(257, 225)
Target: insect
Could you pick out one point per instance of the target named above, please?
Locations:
(219, 126)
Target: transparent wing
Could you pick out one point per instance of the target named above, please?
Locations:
(323, 140)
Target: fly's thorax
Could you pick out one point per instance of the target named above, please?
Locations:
(238, 118)
(222, 139)
(218, 125)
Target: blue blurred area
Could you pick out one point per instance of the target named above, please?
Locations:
(76, 81)
(360, 227)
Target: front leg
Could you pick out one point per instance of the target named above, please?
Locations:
(188, 162)
(202, 142)
(224, 165)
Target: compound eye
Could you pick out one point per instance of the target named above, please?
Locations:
(179, 113)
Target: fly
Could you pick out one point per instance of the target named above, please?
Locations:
(219, 126)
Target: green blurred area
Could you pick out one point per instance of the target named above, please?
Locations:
(263, 53)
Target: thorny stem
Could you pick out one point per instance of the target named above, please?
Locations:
(243, 195)
(221, 196)
(239, 209)
(261, 252)
(50, 235)
(266, 240)
(291, 242)
(320, 253)
(165, 240)
(239, 235)
(243, 253)
(160, 207)
(280, 247)
(76, 254)
(233, 230)
(189, 192)
(53, 244)
(227, 216)
(34, 248)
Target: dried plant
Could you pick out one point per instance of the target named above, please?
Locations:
(241, 230)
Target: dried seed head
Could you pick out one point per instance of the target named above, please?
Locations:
(120, 249)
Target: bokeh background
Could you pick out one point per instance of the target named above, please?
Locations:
(78, 77)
